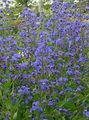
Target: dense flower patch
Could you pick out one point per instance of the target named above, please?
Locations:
(44, 65)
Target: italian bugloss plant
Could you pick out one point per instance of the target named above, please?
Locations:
(44, 66)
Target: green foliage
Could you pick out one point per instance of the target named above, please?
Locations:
(23, 2)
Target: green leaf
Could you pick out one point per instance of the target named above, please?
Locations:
(15, 116)
(88, 54)
(69, 105)
(0, 95)
(8, 104)
(7, 85)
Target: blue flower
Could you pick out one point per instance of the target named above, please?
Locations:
(50, 103)
(5, 118)
(28, 99)
(65, 79)
(77, 39)
(87, 17)
(36, 106)
(26, 76)
(61, 92)
(86, 113)
(1, 28)
(24, 90)
(16, 57)
(23, 65)
(69, 71)
(78, 89)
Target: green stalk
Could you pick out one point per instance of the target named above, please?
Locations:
(40, 6)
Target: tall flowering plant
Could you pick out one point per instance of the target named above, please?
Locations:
(44, 65)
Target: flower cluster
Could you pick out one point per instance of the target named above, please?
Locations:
(44, 66)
